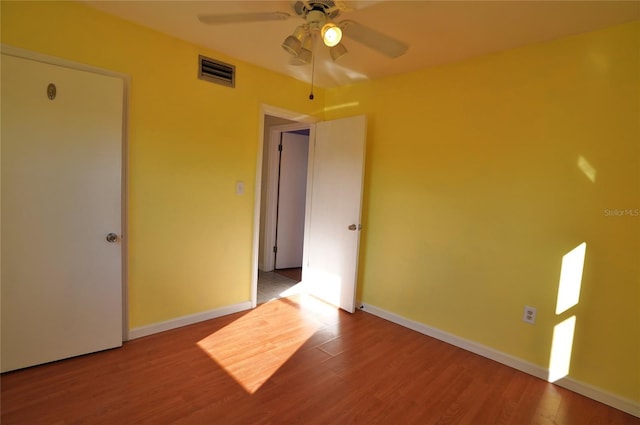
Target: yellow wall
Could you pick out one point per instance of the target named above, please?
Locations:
(472, 192)
(473, 196)
(189, 142)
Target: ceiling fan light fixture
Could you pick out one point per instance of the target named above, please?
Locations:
(292, 45)
(337, 51)
(305, 55)
(331, 34)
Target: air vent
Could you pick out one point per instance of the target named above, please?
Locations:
(216, 71)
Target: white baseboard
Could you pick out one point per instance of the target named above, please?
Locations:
(187, 320)
(628, 406)
(617, 402)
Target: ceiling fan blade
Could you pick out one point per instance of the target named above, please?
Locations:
(373, 39)
(234, 18)
(351, 5)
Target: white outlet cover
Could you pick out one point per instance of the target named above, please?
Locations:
(529, 315)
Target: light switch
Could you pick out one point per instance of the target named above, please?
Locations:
(239, 188)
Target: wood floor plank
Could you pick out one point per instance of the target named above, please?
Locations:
(290, 361)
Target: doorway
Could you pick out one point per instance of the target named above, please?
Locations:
(282, 214)
(333, 207)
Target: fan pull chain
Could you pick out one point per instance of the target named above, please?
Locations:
(313, 68)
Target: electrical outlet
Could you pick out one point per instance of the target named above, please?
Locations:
(529, 315)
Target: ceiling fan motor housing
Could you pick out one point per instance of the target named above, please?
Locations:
(316, 19)
(328, 8)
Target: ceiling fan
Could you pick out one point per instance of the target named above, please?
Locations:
(318, 16)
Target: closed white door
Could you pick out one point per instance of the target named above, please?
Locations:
(292, 192)
(333, 232)
(61, 169)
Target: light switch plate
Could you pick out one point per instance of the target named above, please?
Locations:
(239, 188)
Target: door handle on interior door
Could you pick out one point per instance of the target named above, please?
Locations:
(112, 237)
(352, 227)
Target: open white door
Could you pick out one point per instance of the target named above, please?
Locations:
(61, 212)
(334, 209)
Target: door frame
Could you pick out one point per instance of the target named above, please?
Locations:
(302, 121)
(271, 199)
(124, 178)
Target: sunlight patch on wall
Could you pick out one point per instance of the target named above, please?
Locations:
(570, 278)
(587, 169)
(561, 346)
(253, 361)
(599, 62)
(341, 106)
(568, 297)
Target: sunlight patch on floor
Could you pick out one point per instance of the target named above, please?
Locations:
(256, 345)
(296, 289)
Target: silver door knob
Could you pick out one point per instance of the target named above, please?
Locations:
(112, 237)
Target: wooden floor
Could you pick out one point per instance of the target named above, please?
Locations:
(290, 361)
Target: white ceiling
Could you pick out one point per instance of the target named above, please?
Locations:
(437, 32)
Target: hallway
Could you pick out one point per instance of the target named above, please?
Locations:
(278, 283)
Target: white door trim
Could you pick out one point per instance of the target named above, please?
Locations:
(265, 110)
(52, 60)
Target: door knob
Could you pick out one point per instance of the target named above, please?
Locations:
(112, 237)
(353, 227)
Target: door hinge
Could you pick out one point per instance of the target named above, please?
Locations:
(280, 147)
(275, 249)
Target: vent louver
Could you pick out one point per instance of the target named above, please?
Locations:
(216, 72)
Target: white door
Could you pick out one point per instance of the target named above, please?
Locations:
(292, 192)
(333, 232)
(61, 196)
